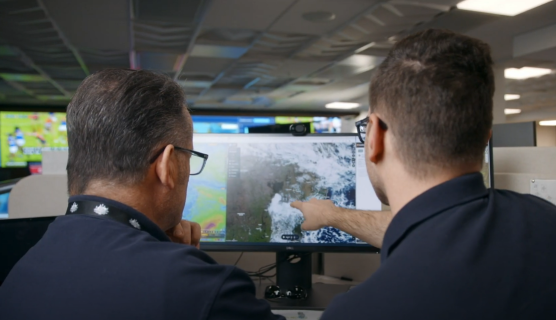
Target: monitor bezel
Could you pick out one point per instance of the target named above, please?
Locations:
(292, 247)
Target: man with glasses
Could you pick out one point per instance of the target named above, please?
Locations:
(121, 251)
(369, 226)
(451, 249)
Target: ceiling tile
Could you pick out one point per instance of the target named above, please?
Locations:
(214, 51)
(244, 14)
(205, 66)
(293, 21)
(98, 24)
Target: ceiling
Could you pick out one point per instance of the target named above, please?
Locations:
(243, 55)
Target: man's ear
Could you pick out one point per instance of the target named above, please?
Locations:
(374, 139)
(165, 167)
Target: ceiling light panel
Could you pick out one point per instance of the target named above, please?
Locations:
(525, 73)
(501, 7)
(509, 97)
(550, 123)
(342, 105)
(512, 111)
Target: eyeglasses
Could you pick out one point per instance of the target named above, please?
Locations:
(361, 126)
(196, 162)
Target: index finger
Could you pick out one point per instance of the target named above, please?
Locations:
(297, 204)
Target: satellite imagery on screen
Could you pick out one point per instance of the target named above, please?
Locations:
(245, 191)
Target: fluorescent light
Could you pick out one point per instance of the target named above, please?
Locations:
(509, 97)
(525, 73)
(512, 111)
(342, 105)
(503, 7)
(365, 47)
(22, 77)
(551, 123)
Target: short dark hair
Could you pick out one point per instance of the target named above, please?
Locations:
(435, 92)
(116, 121)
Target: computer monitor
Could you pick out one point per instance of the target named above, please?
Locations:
(17, 236)
(242, 198)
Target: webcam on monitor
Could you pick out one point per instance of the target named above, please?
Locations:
(298, 129)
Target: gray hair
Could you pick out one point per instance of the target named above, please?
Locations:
(117, 120)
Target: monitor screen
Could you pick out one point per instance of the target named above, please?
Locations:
(242, 198)
(25, 134)
(4, 197)
(17, 236)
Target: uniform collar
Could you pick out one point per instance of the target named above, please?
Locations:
(114, 210)
(432, 202)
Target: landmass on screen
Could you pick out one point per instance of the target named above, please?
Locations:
(271, 176)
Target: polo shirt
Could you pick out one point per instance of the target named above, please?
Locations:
(88, 266)
(461, 251)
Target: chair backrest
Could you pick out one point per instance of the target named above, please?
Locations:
(39, 196)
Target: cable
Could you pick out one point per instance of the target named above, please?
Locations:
(240, 255)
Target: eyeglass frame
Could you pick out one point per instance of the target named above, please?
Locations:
(364, 122)
(192, 152)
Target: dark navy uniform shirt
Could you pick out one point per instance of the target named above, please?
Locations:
(92, 267)
(460, 251)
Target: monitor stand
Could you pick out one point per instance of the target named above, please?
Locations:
(298, 272)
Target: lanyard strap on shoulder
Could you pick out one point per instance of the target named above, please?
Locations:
(102, 210)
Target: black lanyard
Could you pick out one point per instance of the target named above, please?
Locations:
(102, 210)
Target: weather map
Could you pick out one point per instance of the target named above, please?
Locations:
(265, 178)
(206, 194)
(244, 193)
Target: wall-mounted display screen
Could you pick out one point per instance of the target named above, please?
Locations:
(230, 124)
(24, 136)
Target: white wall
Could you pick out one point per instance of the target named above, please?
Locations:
(348, 122)
(546, 136)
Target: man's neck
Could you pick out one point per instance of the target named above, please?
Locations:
(132, 197)
(406, 187)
